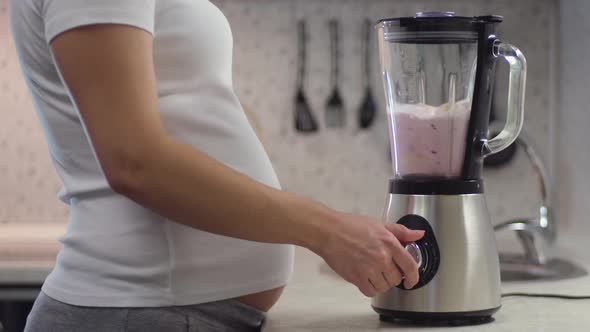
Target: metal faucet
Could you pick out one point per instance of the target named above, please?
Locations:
(535, 233)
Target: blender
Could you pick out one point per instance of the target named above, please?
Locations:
(438, 74)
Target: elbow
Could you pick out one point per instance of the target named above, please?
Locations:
(126, 173)
(129, 167)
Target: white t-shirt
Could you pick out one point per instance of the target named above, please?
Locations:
(116, 252)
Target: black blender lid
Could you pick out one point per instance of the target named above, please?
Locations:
(435, 27)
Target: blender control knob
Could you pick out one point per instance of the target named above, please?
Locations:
(424, 251)
(414, 250)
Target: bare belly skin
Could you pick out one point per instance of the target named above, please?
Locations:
(262, 301)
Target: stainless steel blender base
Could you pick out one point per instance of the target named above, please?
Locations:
(467, 282)
(436, 318)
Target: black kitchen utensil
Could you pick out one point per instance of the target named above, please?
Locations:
(305, 121)
(368, 107)
(335, 114)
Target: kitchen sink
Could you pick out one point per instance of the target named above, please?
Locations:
(516, 267)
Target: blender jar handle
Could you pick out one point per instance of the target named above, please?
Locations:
(516, 89)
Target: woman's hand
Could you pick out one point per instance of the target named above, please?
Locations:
(370, 255)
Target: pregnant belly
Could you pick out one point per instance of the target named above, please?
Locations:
(262, 301)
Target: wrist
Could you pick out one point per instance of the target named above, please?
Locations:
(317, 224)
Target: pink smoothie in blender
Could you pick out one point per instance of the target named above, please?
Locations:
(429, 140)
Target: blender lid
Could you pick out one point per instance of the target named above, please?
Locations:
(435, 27)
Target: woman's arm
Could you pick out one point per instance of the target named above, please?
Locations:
(109, 72)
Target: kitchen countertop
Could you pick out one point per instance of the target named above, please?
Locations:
(318, 300)
(27, 251)
(27, 255)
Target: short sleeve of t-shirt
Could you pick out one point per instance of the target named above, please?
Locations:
(62, 15)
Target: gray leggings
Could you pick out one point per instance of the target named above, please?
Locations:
(49, 315)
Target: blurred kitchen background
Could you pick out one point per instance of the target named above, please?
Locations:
(349, 168)
(345, 168)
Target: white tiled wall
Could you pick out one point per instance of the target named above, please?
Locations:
(347, 169)
(28, 183)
